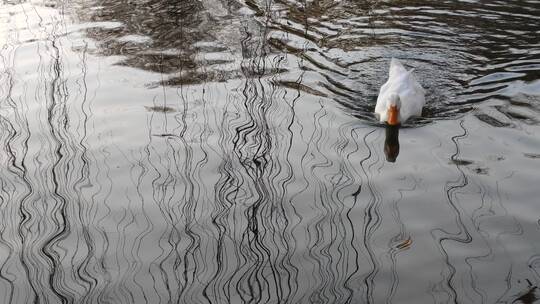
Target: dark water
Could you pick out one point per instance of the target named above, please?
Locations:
(225, 152)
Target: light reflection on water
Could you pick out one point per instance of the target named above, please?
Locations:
(226, 152)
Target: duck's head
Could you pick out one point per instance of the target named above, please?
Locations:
(392, 110)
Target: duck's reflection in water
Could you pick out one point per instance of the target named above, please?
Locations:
(391, 143)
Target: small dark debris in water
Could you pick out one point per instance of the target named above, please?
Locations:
(491, 121)
(161, 109)
(405, 244)
(481, 171)
(461, 162)
(495, 158)
(165, 135)
(532, 155)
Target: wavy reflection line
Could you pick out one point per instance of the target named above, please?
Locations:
(248, 196)
(16, 186)
(372, 219)
(348, 281)
(462, 236)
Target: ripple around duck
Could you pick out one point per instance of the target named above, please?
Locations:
(461, 56)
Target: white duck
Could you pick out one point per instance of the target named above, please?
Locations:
(400, 97)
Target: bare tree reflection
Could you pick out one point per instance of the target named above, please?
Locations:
(190, 42)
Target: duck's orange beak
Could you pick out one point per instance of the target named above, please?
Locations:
(392, 114)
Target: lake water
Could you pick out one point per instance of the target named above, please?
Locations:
(213, 151)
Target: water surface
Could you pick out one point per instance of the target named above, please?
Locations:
(226, 152)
